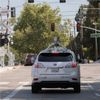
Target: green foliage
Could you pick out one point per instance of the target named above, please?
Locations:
(89, 42)
(32, 30)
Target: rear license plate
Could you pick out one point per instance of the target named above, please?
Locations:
(55, 70)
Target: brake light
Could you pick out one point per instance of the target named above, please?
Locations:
(38, 66)
(74, 65)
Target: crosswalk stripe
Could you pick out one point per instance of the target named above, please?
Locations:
(21, 83)
(4, 83)
(89, 81)
(27, 82)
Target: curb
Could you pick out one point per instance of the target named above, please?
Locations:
(3, 69)
(6, 68)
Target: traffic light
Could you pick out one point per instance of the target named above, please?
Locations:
(2, 42)
(62, 1)
(3, 39)
(6, 40)
(13, 12)
(52, 26)
(78, 27)
(30, 1)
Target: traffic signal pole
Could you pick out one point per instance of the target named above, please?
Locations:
(8, 6)
(96, 43)
(5, 31)
(81, 39)
(9, 53)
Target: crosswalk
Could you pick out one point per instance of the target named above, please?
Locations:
(27, 82)
(4, 83)
(18, 83)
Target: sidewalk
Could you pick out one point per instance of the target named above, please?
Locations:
(7, 68)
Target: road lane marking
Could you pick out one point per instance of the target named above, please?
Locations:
(4, 83)
(90, 86)
(97, 94)
(21, 83)
(89, 81)
(14, 92)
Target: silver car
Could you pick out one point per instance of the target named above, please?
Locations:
(55, 67)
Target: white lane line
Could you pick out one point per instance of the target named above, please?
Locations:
(4, 83)
(23, 83)
(87, 81)
(13, 93)
(90, 86)
(97, 94)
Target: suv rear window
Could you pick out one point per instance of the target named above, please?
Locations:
(55, 57)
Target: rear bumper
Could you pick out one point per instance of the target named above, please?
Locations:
(56, 84)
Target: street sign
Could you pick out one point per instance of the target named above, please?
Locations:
(95, 35)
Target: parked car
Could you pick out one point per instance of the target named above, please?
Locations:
(55, 67)
(97, 61)
(29, 60)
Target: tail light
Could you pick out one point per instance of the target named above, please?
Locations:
(71, 65)
(39, 65)
(74, 65)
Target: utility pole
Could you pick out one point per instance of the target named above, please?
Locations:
(81, 31)
(94, 35)
(74, 37)
(96, 43)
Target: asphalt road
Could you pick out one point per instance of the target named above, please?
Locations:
(15, 85)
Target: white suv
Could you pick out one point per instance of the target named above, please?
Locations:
(55, 67)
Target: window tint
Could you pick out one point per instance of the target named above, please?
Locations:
(55, 57)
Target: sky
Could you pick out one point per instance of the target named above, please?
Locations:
(67, 10)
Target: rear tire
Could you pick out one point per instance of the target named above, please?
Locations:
(77, 88)
(35, 89)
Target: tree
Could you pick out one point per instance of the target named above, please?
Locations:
(91, 16)
(32, 30)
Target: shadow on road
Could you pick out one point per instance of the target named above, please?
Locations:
(54, 90)
(87, 93)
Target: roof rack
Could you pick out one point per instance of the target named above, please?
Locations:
(56, 46)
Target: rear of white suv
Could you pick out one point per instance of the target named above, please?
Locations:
(55, 69)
